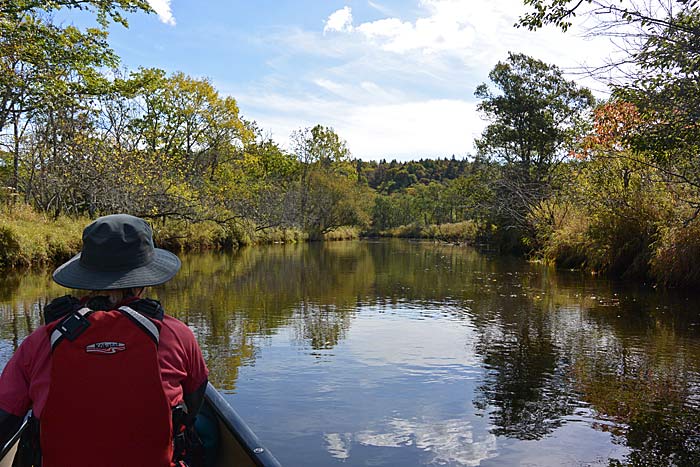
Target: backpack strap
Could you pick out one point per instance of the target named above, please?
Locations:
(143, 322)
(60, 307)
(70, 327)
(148, 307)
(74, 323)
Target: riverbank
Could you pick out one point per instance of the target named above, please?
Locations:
(466, 232)
(646, 253)
(32, 239)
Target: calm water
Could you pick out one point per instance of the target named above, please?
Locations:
(400, 353)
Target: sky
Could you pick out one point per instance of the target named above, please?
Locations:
(394, 78)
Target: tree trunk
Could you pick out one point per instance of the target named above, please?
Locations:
(15, 155)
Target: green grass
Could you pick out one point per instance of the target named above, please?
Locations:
(279, 235)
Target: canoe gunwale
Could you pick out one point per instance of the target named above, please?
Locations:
(239, 429)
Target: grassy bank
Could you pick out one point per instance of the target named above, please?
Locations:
(28, 238)
(637, 247)
(467, 232)
(31, 239)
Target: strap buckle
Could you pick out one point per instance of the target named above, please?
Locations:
(73, 326)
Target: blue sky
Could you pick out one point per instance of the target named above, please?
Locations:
(395, 79)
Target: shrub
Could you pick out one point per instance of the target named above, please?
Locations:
(342, 233)
(182, 235)
(569, 246)
(461, 232)
(676, 257)
(279, 235)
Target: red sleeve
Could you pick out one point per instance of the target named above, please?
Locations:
(14, 382)
(197, 371)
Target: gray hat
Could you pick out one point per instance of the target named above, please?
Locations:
(118, 253)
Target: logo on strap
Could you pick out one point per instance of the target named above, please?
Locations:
(105, 347)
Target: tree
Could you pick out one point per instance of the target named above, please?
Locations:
(43, 65)
(105, 10)
(265, 194)
(657, 71)
(618, 206)
(327, 181)
(536, 116)
(561, 13)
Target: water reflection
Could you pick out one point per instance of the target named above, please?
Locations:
(450, 442)
(404, 353)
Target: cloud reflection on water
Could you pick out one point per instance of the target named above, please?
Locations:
(449, 441)
(419, 347)
(413, 342)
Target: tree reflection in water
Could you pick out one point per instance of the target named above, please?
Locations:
(649, 388)
(526, 382)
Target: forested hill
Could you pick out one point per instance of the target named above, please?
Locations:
(389, 177)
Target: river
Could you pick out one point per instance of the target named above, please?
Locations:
(402, 353)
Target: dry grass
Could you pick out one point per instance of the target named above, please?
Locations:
(28, 238)
(461, 232)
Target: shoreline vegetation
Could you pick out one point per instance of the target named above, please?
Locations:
(30, 239)
(559, 176)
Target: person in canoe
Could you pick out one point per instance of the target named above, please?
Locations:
(105, 374)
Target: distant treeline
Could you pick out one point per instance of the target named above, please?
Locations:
(609, 186)
(389, 177)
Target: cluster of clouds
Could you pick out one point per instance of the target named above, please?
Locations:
(477, 32)
(398, 86)
(403, 86)
(447, 26)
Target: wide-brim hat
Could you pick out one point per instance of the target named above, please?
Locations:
(118, 253)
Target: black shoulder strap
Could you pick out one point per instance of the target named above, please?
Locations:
(149, 307)
(60, 307)
(70, 327)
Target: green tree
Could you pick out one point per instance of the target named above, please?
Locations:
(657, 157)
(535, 117)
(105, 10)
(190, 143)
(265, 195)
(44, 65)
(328, 195)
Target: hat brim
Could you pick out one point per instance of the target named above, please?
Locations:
(161, 269)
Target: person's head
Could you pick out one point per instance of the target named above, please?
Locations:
(117, 258)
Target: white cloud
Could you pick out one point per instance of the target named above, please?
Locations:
(340, 21)
(478, 33)
(162, 9)
(446, 28)
(329, 85)
(403, 130)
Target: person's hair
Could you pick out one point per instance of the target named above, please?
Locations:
(116, 296)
